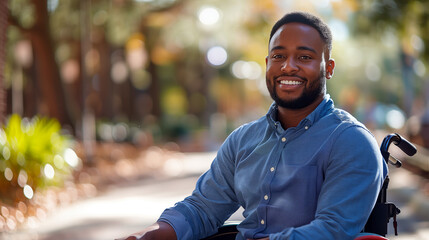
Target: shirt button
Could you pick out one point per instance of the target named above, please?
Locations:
(306, 127)
(283, 139)
(272, 169)
(262, 222)
(266, 197)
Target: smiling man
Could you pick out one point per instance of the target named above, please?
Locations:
(297, 67)
(306, 170)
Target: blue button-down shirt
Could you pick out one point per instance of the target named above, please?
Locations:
(318, 180)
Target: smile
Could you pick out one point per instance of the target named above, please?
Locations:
(287, 82)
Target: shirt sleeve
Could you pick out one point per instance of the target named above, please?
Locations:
(353, 178)
(212, 202)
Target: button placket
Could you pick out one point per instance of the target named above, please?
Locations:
(266, 189)
(266, 196)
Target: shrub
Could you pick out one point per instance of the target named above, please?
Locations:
(33, 155)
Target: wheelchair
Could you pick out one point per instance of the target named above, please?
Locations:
(377, 224)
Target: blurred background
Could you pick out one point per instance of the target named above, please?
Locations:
(95, 92)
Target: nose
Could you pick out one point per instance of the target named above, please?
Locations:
(289, 66)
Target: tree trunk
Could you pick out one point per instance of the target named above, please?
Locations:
(105, 82)
(3, 29)
(48, 76)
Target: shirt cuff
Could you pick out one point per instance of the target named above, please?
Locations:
(179, 223)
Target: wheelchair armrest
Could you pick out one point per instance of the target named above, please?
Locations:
(227, 232)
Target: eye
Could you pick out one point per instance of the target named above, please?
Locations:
(277, 56)
(304, 57)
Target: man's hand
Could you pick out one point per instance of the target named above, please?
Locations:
(158, 230)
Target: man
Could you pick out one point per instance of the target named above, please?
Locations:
(306, 170)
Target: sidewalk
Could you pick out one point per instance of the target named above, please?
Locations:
(121, 208)
(410, 193)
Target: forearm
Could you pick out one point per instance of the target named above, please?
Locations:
(158, 230)
(210, 204)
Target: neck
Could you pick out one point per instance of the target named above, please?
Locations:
(292, 117)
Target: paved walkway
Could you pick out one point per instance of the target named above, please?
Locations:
(126, 208)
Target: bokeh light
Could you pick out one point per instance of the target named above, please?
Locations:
(174, 101)
(28, 191)
(395, 119)
(119, 72)
(49, 171)
(141, 79)
(8, 174)
(59, 162)
(417, 43)
(71, 157)
(120, 132)
(105, 132)
(100, 17)
(24, 53)
(22, 178)
(217, 56)
(372, 72)
(136, 54)
(419, 68)
(6, 152)
(246, 70)
(11, 224)
(209, 15)
(70, 70)
(20, 159)
(4, 211)
(92, 61)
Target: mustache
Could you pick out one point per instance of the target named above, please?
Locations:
(290, 75)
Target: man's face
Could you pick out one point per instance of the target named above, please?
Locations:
(297, 66)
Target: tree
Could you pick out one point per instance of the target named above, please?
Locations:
(48, 76)
(408, 21)
(66, 101)
(407, 18)
(3, 28)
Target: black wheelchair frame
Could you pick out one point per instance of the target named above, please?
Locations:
(382, 212)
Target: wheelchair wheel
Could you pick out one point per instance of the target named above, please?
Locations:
(371, 237)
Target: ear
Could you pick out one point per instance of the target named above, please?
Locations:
(330, 65)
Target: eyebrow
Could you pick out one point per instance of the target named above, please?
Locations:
(307, 49)
(304, 48)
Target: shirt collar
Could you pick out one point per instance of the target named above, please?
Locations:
(321, 110)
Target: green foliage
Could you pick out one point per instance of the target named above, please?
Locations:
(23, 12)
(31, 155)
(406, 18)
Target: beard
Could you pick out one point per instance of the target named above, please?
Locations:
(309, 95)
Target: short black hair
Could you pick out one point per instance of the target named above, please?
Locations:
(307, 19)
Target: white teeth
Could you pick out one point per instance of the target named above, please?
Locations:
(290, 82)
